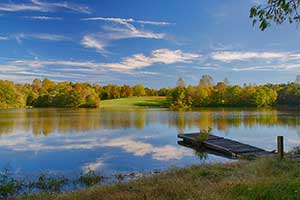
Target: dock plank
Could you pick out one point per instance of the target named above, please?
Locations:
(224, 145)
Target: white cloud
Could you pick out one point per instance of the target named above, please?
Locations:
(130, 31)
(122, 29)
(11, 68)
(3, 38)
(271, 67)
(40, 36)
(21, 7)
(229, 56)
(164, 56)
(259, 61)
(77, 70)
(91, 42)
(43, 6)
(259, 2)
(44, 18)
(41, 63)
(125, 21)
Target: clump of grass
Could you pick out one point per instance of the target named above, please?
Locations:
(48, 183)
(120, 177)
(45, 183)
(203, 135)
(9, 186)
(89, 179)
(295, 150)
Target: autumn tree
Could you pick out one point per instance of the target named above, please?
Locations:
(139, 90)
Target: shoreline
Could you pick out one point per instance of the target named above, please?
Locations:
(264, 178)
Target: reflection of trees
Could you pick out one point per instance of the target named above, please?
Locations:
(225, 119)
(221, 123)
(48, 121)
(205, 120)
(181, 121)
(139, 120)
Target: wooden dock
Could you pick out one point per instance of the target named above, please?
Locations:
(224, 146)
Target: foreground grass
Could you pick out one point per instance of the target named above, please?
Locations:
(259, 179)
(158, 102)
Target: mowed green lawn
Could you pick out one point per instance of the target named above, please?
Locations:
(156, 102)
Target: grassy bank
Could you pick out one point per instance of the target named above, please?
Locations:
(259, 179)
(152, 102)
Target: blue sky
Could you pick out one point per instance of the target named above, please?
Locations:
(152, 42)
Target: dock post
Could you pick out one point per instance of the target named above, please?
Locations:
(280, 150)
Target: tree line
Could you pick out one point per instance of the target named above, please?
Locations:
(47, 93)
(222, 94)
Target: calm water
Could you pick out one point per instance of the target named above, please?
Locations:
(71, 141)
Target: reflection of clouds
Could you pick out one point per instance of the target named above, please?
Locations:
(26, 142)
(94, 166)
(138, 148)
(292, 141)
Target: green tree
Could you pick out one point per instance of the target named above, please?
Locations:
(47, 84)
(9, 96)
(92, 101)
(264, 96)
(277, 11)
(178, 97)
(139, 90)
(233, 96)
(201, 97)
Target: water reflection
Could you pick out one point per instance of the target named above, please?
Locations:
(48, 121)
(71, 140)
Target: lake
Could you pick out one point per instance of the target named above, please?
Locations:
(71, 141)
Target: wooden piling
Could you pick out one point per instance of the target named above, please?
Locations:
(280, 149)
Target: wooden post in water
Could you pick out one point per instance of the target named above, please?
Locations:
(280, 150)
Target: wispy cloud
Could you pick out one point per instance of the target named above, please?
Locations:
(40, 63)
(123, 29)
(3, 38)
(229, 56)
(43, 6)
(125, 21)
(77, 70)
(259, 2)
(11, 68)
(91, 41)
(259, 61)
(11, 7)
(164, 56)
(40, 36)
(44, 18)
(19, 37)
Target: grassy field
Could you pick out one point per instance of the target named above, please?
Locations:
(158, 102)
(260, 179)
